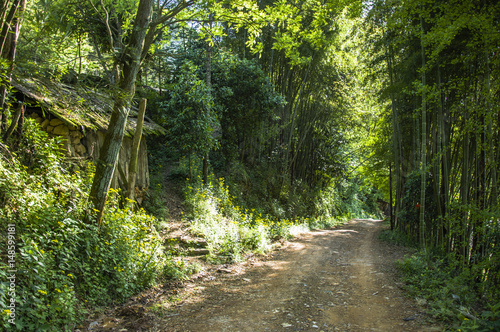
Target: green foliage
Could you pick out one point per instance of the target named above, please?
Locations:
(451, 291)
(238, 104)
(125, 254)
(410, 205)
(488, 321)
(397, 238)
(178, 269)
(229, 229)
(260, 187)
(189, 113)
(154, 202)
(64, 264)
(232, 230)
(247, 99)
(354, 199)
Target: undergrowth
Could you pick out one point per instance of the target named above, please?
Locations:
(252, 208)
(452, 292)
(231, 230)
(397, 238)
(64, 266)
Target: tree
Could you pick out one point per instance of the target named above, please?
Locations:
(189, 113)
(135, 150)
(120, 47)
(143, 34)
(11, 15)
(130, 62)
(423, 156)
(440, 85)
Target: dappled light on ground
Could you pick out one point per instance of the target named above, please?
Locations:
(332, 280)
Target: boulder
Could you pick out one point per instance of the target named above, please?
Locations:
(75, 141)
(45, 123)
(80, 149)
(67, 148)
(50, 129)
(61, 130)
(75, 134)
(55, 122)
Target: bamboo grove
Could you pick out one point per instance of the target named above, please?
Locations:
(442, 80)
(284, 117)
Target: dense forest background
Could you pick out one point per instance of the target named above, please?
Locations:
(280, 116)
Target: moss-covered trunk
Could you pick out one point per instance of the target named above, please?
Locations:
(132, 169)
(131, 61)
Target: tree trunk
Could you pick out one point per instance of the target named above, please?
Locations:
(208, 68)
(396, 137)
(114, 136)
(15, 120)
(132, 169)
(436, 164)
(8, 44)
(464, 190)
(10, 21)
(445, 162)
(424, 146)
(493, 199)
(390, 198)
(190, 165)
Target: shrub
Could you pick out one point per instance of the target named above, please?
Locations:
(231, 230)
(63, 263)
(449, 289)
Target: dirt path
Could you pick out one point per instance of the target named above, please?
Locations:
(330, 280)
(341, 279)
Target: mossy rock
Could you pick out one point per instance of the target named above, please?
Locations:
(45, 123)
(80, 149)
(56, 122)
(61, 130)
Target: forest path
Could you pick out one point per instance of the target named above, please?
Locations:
(340, 279)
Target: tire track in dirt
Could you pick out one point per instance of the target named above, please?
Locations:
(340, 279)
